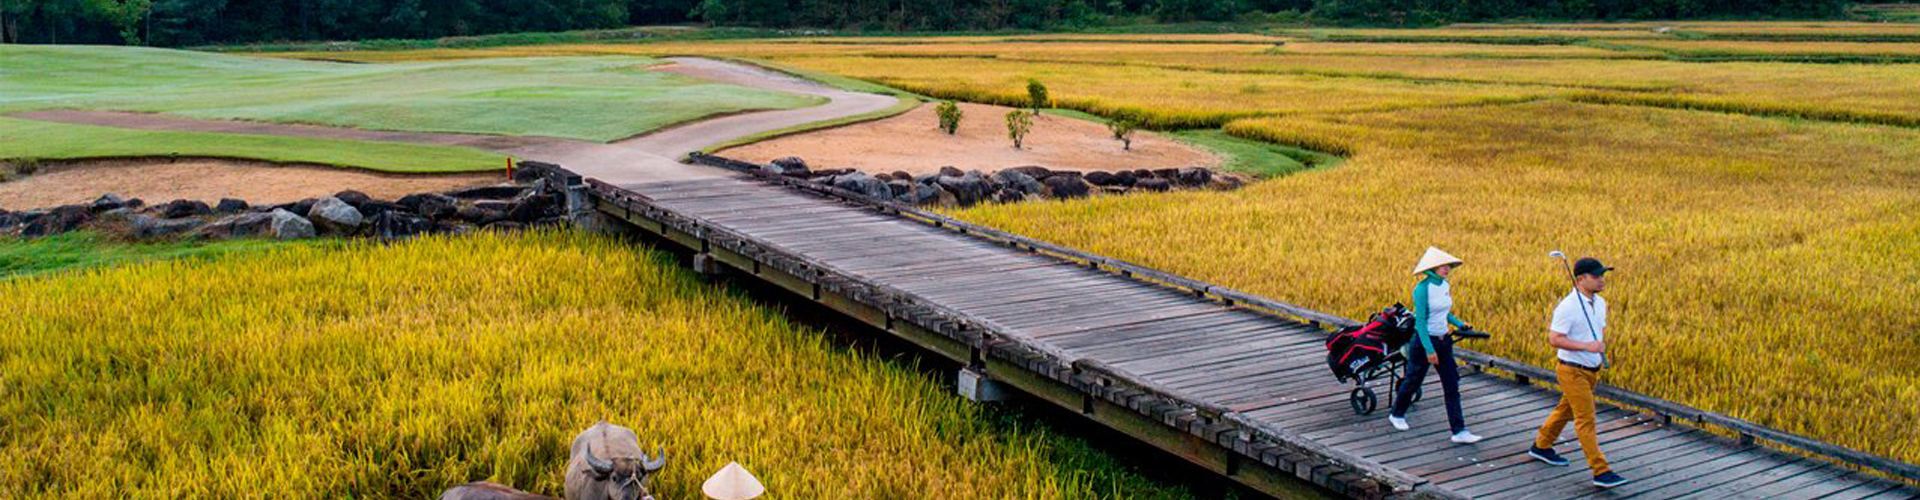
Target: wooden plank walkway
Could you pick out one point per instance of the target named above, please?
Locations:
(1243, 391)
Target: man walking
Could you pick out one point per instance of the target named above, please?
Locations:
(1578, 333)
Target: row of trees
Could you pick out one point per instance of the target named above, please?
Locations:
(192, 22)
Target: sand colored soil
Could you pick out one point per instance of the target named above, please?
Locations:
(914, 143)
(160, 180)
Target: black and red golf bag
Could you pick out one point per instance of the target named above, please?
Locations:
(1356, 350)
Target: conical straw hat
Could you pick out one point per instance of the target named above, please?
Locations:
(733, 482)
(1434, 258)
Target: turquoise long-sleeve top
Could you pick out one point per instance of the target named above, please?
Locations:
(1433, 309)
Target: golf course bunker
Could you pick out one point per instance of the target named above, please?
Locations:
(913, 142)
(158, 180)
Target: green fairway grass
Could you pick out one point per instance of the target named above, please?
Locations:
(81, 250)
(587, 98)
(31, 139)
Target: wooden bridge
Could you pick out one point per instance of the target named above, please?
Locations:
(1233, 382)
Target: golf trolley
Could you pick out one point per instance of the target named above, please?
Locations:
(1375, 351)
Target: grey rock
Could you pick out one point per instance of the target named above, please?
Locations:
(333, 216)
(1121, 178)
(480, 215)
(183, 208)
(1034, 171)
(1172, 174)
(507, 225)
(791, 165)
(489, 193)
(230, 205)
(1154, 184)
(1099, 178)
(107, 202)
(1066, 187)
(376, 207)
(297, 208)
(951, 172)
(352, 197)
(431, 205)
(1194, 176)
(57, 220)
(864, 184)
(395, 224)
(533, 207)
(900, 188)
(1018, 181)
(1009, 196)
(165, 228)
(287, 226)
(966, 190)
(903, 175)
(244, 225)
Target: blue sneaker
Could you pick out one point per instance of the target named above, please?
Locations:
(1608, 479)
(1547, 455)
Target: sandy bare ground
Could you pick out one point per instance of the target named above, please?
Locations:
(160, 181)
(914, 143)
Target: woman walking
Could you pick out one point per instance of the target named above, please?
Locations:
(1432, 314)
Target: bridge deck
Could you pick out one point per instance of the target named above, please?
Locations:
(1187, 362)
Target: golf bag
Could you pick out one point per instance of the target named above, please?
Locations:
(1354, 352)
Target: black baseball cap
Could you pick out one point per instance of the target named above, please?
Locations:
(1590, 265)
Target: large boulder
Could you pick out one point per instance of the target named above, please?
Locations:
(950, 171)
(58, 220)
(1066, 187)
(394, 224)
(1171, 174)
(1009, 195)
(182, 208)
(902, 175)
(333, 216)
(866, 185)
(372, 208)
(1154, 184)
(1121, 178)
(1099, 178)
(230, 206)
(1018, 181)
(791, 165)
(1194, 176)
(288, 226)
(431, 205)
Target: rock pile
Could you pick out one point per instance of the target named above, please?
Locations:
(955, 187)
(345, 214)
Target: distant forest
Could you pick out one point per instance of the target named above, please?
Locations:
(198, 22)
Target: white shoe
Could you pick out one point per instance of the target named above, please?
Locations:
(1398, 423)
(1465, 437)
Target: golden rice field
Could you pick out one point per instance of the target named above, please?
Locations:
(369, 371)
(1766, 266)
(1742, 47)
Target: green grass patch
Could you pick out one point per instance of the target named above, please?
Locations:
(32, 139)
(586, 98)
(1246, 156)
(84, 249)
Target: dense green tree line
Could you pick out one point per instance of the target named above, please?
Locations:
(191, 22)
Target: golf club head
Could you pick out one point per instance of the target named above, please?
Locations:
(1557, 254)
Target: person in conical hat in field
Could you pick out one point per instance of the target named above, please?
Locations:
(1431, 347)
(733, 482)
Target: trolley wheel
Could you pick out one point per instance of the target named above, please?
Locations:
(1362, 400)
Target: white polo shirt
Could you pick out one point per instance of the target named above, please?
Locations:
(1570, 320)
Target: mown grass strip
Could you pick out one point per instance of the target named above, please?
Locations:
(38, 140)
(908, 101)
(86, 249)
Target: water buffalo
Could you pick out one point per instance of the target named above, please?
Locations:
(607, 464)
(488, 490)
